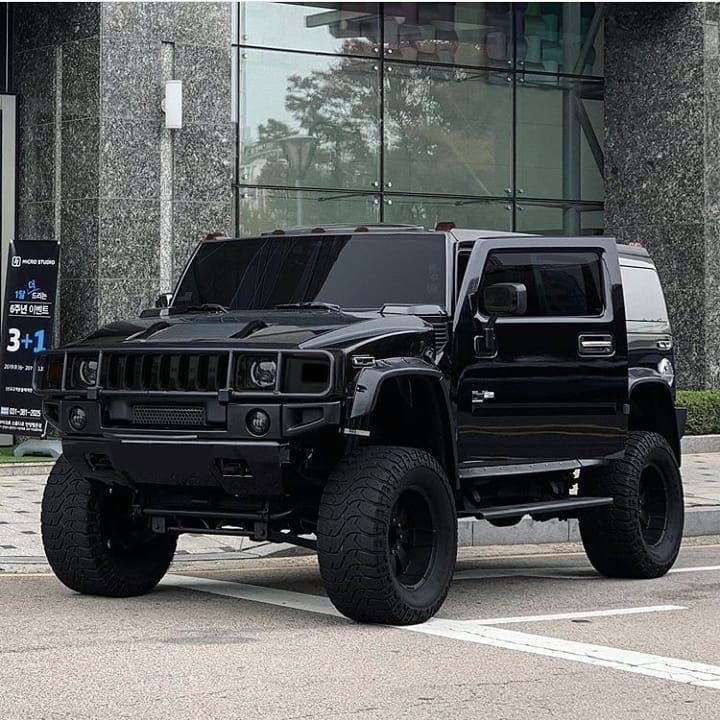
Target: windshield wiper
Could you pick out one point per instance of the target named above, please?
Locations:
(310, 305)
(206, 307)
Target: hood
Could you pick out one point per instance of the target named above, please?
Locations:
(302, 328)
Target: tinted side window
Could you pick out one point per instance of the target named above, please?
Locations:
(559, 283)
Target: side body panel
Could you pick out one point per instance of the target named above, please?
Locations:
(539, 398)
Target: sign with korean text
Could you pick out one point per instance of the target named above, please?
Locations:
(27, 329)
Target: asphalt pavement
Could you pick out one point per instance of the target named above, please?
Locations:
(535, 635)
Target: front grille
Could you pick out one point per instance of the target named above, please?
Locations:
(202, 372)
(160, 417)
(441, 330)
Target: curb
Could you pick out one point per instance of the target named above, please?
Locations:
(700, 444)
(13, 469)
(698, 521)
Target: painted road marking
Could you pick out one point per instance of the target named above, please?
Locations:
(558, 573)
(676, 670)
(696, 568)
(481, 632)
(256, 593)
(575, 615)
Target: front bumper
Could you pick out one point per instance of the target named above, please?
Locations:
(245, 468)
(229, 457)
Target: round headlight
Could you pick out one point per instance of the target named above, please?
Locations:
(667, 371)
(257, 421)
(77, 417)
(263, 373)
(87, 372)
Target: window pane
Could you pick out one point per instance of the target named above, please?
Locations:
(349, 28)
(264, 209)
(559, 138)
(308, 120)
(560, 219)
(644, 299)
(558, 283)
(450, 33)
(464, 212)
(560, 37)
(339, 269)
(447, 131)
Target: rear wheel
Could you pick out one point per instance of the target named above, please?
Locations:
(639, 537)
(93, 542)
(387, 536)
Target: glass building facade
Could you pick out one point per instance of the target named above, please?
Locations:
(485, 114)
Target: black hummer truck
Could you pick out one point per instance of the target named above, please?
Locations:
(356, 390)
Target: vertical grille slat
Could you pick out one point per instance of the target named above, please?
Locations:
(164, 372)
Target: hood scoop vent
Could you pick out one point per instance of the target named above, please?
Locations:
(250, 329)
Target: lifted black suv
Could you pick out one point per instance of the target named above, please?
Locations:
(357, 390)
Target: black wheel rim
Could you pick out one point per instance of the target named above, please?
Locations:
(653, 505)
(124, 534)
(411, 538)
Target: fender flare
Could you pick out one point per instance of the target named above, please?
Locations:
(368, 386)
(370, 380)
(653, 380)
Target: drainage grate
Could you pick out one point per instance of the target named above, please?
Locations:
(153, 416)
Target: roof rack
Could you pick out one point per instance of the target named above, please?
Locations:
(348, 228)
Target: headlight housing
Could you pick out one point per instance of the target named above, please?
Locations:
(84, 372)
(256, 372)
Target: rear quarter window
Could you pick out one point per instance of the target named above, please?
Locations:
(644, 299)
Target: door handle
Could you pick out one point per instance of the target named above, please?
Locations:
(602, 344)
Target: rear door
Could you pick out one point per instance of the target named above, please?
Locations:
(556, 389)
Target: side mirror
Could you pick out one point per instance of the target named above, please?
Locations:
(498, 299)
(163, 300)
(505, 299)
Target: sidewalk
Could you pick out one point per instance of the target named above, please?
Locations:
(21, 545)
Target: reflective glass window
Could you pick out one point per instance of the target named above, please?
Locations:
(428, 211)
(264, 209)
(447, 130)
(460, 33)
(347, 28)
(559, 138)
(560, 37)
(559, 219)
(308, 120)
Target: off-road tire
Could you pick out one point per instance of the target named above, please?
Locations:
(355, 525)
(617, 540)
(75, 521)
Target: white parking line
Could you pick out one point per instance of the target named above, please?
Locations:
(676, 670)
(255, 593)
(481, 632)
(558, 573)
(696, 568)
(575, 615)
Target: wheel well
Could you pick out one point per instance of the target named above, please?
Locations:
(651, 408)
(411, 411)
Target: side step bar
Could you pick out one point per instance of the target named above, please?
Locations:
(546, 507)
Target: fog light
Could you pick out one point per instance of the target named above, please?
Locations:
(77, 418)
(257, 421)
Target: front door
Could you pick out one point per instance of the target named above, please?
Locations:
(555, 386)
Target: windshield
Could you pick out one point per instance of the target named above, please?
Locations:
(356, 272)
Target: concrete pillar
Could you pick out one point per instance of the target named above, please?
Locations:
(126, 197)
(662, 162)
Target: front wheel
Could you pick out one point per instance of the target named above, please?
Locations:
(93, 542)
(387, 536)
(640, 535)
